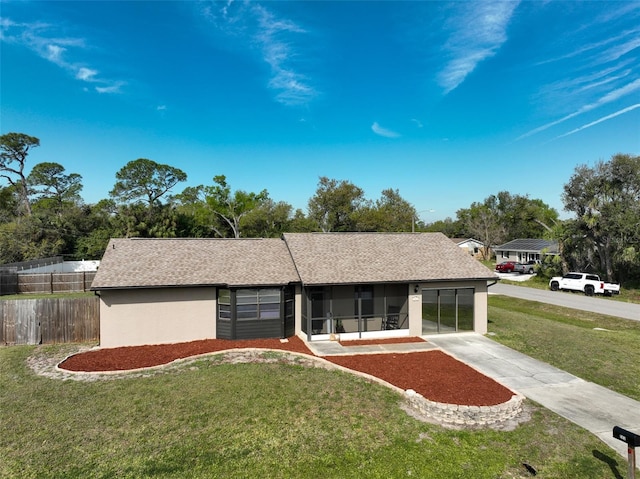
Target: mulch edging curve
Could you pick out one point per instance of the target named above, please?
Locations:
(419, 407)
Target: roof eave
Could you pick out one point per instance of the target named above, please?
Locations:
(204, 285)
(404, 281)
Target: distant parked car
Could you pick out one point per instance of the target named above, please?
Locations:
(510, 267)
(531, 266)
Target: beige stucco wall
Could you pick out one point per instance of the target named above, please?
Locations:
(156, 316)
(481, 319)
(415, 310)
(480, 299)
(298, 311)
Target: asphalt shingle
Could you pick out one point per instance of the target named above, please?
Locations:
(310, 258)
(335, 258)
(137, 262)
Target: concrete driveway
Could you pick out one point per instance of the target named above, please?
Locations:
(571, 300)
(588, 405)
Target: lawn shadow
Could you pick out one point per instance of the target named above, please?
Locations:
(611, 462)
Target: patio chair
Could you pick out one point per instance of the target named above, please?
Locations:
(392, 319)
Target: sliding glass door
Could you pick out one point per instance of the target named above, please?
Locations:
(447, 310)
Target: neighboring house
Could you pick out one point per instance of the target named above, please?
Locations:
(67, 267)
(315, 285)
(471, 245)
(523, 250)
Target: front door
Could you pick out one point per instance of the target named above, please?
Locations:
(319, 310)
(363, 307)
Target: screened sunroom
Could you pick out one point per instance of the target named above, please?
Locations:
(250, 313)
(355, 311)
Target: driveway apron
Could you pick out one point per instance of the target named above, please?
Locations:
(588, 405)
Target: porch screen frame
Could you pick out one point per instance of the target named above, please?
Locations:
(354, 310)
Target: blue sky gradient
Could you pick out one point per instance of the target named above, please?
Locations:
(448, 102)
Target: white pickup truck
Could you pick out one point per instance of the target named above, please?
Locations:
(587, 283)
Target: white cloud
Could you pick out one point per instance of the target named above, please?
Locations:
(620, 50)
(418, 123)
(41, 38)
(86, 74)
(378, 130)
(479, 31)
(112, 88)
(600, 120)
(598, 72)
(608, 98)
(161, 107)
(53, 53)
(603, 51)
(275, 39)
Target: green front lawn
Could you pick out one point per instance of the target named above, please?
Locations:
(595, 347)
(211, 420)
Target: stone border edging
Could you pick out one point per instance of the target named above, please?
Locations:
(447, 415)
(455, 415)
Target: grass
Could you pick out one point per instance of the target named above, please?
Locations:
(569, 340)
(208, 419)
(47, 295)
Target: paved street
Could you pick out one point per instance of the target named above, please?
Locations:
(571, 300)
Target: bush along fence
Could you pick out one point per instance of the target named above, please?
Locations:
(32, 283)
(49, 320)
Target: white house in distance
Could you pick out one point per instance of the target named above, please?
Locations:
(525, 249)
(470, 245)
(316, 285)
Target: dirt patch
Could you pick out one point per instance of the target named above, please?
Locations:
(433, 374)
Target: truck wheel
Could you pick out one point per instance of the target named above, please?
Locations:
(588, 290)
(555, 286)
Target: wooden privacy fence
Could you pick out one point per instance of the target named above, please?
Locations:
(30, 283)
(49, 320)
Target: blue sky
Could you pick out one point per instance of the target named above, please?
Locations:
(448, 102)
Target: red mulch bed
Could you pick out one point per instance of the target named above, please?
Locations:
(134, 357)
(434, 374)
(366, 342)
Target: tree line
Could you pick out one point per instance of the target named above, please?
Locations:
(43, 213)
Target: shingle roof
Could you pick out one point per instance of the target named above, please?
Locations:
(136, 262)
(313, 258)
(529, 245)
(335, 258)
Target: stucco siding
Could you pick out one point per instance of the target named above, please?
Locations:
(157, 316)
(480, 298)
(298, 311)
(415, 310)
